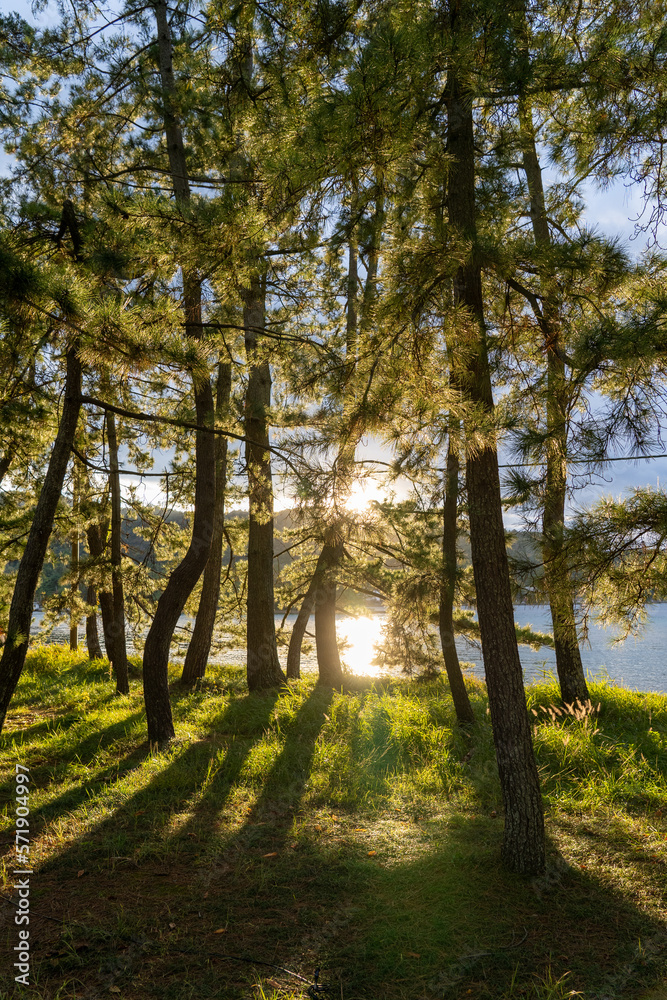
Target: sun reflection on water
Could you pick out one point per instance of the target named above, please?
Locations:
(357, 638)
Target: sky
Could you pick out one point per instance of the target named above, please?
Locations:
(615, 213)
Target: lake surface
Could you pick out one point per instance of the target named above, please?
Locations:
(639, 664)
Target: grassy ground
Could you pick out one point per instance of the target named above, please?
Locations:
(357, 833)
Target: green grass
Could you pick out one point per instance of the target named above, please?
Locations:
(357, 832)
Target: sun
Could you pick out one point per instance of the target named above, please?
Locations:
(362, 495)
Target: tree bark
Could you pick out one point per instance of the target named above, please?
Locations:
(199, 648)
(523, 848)
(462, 706)
(352, 295)
(559, 584)
(96, 535)
(119, 648)
(352, 292)
(182, 581)
(92, 635)
(263, 667)
(326, 642)
(20, 613)
(300, 625)
(372, 262)
(185, 576)
(74, 560)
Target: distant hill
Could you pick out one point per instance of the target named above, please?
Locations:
(56, 564)
(523, 551)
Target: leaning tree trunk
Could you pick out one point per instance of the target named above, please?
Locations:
(326, 642)
(264, 669)
(462, 706)
(92, 635)
(184, 578)
(559, 584)
(20, 613)
(301, 624)
(199, 648)
(119, 648)
(523, 847)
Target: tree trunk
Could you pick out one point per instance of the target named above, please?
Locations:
(570, 669)
(74, 561)
(119, 649)
(300, 625)
(95, 534)
(185, 576)
(462, 706)
(20, 613)
(352, 292)
(183, 579)
(326, 642)
(264, 669)
(559, 585)
(200, 644)
(92, 636)
(372, 262)
(523, 842)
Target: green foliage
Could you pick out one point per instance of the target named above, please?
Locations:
(618, 546)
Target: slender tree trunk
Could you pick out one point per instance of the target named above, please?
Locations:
(264, 669)
(559, 584)
(20, 613)
(298, 632)
(523, 842)
(326, 642)
(200, 644)
(312, 595)
(182, 581)
(570, 669)
(185, 576)
(74, 560)
(119, 649)
(462, 706)
(96, 534)
(352, 290)
(92, 636)
(372, 262)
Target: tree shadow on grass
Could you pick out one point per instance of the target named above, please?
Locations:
(152, 806)
(246, 877)
(83, 752)
(432, 916)
(449, 923)
(457, 923)
(97, 876)
(280, 788)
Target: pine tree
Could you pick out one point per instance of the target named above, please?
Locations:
(185, 576)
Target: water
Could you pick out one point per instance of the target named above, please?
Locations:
(639, 664)
(636, 663)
